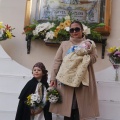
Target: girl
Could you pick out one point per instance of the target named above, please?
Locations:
(38, 84)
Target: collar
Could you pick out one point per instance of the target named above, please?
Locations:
(76, 41)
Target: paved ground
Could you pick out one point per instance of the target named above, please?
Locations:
(57, 117)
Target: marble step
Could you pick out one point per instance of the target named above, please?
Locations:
(108, 90)
(8, 101)
(7, 115)
(99, 119)
(109, 110)
(107, 75)
(10, 115)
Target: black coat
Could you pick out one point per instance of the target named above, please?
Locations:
(23, 110)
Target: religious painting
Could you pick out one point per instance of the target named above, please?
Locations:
(91, 11)
(79, 9)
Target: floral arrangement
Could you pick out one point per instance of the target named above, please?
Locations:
(34, 100)
(94, 34)
(5, 32)
(58, 30)
(114, 55)
(53, 96)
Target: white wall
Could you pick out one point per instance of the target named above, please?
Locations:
(13, 11)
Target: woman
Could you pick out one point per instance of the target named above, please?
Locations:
(77, 102)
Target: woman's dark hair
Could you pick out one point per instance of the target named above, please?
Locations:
(45, 72)
(79, 23)
(75, 21)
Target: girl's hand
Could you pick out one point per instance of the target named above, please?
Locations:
(32, 111)
(53, 83)
(36, 111)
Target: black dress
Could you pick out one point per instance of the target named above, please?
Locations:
(23, 110)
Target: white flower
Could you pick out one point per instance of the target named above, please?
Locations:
(53, 98)
(32, 103)
(67, 17)
(1, 32)
(50, 89)
(86, 30)
(34, 97)
(50, 25)
(49, 35)
(35, 32)
(38, 99)
(40, 27)
(44, 26)
(67, 28)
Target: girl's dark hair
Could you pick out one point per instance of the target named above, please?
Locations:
(45, 72)
(75, 21)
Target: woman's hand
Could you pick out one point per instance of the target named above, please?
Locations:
(53, 83)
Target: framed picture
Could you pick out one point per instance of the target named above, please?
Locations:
(91, 11)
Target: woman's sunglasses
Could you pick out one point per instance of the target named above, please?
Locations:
(77, 29)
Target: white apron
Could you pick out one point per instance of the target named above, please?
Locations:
(39, 116)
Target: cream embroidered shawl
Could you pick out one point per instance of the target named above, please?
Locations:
(73, 69)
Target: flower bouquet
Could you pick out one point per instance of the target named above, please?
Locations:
(34, 101)
(53, 96)
(114, 57)
(5, 32)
